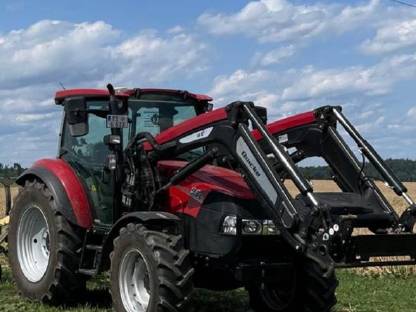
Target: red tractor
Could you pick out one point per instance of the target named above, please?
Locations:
(168, 194)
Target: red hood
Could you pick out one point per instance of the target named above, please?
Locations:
(218, 179)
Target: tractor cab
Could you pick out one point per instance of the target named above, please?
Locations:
(148, 110)
(90, 118)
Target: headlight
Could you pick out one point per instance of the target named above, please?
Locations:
(229, 225)
(251, 227)
(232, 225)
(269, 228)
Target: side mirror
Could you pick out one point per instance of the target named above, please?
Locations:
(116, 106)
(77, 116)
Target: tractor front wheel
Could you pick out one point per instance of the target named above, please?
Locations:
(150, 271)
(307, 291)
(278, 296)
(43, 247)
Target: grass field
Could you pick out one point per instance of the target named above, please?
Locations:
(356, 293)
(373, 290)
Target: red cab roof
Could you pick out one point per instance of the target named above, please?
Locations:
(60, 96)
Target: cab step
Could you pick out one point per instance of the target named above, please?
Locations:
(92, 250)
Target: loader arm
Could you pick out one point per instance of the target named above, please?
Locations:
(305, 228)
(361, 203)
(301, 130)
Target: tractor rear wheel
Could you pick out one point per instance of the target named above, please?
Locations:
(43, 247)
(308, 291)
(150, 271)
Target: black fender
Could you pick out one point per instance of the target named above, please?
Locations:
(153, 219)
(63, 205)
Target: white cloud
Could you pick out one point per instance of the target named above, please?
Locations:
(239, 80)
(371, 124)
(34, 60)
(27, 118)
(274, 56)
(291, 91)
(275, 20)
(280, 20)
(260, 86)
(92, 53)
(154, 59)
(353, 17)
(240, 85)
(392, 36)
(374, 80)
(53, 51)
(176, 30)
(412, 113)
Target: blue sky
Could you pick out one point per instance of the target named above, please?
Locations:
(290, 56)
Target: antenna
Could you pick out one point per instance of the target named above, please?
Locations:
(404, 3)
(62, 85)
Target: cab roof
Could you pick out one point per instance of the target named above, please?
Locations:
(60, 96)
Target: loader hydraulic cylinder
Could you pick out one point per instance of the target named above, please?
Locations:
(190, 168)
(373, 156)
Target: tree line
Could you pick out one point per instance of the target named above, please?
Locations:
(7, 171)
(405, 169)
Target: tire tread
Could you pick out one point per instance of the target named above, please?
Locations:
(173, 265)
(66, 283)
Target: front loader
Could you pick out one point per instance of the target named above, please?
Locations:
(361, 203)
(169, 195)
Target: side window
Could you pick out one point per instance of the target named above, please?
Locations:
(90, 147)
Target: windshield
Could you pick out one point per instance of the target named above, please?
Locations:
(156, 116)
(145, 115)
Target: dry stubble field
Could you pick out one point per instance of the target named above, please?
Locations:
(319, 186)
(370, 290)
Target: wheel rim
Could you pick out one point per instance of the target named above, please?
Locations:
(134, 282)
(33, 245)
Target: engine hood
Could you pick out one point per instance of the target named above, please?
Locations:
(214, 178)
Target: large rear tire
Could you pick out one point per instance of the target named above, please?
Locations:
(150, 271)
(43, 248)
(308, 291)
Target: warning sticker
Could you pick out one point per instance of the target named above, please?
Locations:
(149, 120)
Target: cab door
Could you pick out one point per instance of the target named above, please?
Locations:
(87, 155)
